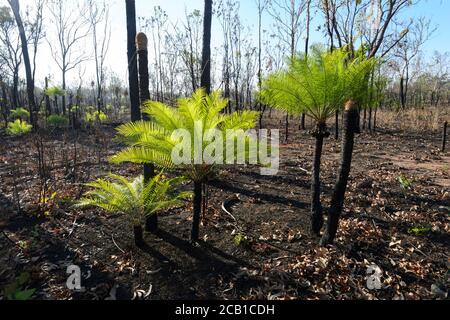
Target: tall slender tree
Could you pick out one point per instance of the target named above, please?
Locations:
(15, 6)
(151, 223)
(287, 15)
(71, 29)
(133, 81)
(206, 52)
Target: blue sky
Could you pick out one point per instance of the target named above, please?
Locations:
(439, 13)
(437, 10)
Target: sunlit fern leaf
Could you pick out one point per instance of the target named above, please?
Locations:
(140, 155)
(151, 141)
(318, 85)
(162, 115)
(18, 128)
(244, 120)
(133, 197)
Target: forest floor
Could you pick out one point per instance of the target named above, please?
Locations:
(262, 251)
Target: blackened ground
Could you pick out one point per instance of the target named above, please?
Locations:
(261, 251)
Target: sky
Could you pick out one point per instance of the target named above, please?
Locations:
(437, 10)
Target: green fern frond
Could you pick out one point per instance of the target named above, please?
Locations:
(18, 128)
(133, 197)
(140, 155)
(317, 85)
(151, 141)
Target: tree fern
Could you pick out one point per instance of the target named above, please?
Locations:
(133, 197)
(318, 85)
(153, 141)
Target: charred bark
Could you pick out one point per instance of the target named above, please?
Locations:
(132, 63)
(151, 223)
(138, 236)
(319, 134)
(26, 59)
(444, 136)
(206, 52)
(351, 127)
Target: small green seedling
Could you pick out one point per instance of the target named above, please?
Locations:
(418, 230)
(18, 128)
(405, 183)
(92, 117)
(57, 121)
(241, 240)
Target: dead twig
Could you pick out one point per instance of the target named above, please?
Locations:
(121, 250)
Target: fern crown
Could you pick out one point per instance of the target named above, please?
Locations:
(318, 85)
(153, 141)
(134, 198)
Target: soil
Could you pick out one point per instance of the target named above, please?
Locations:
(255, 239)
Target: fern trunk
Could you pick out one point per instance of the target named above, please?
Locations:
(336, 129)
(316, 207)
(198, 194)
(351, 127)
(286, 128)
(138, 236)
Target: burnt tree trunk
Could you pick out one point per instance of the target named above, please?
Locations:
(26, 59)
(444, 136)
(151, 223)
(206, 52)
(351, 127)
(132, 62)
(319, 134)
(205, 81)
(374, 128)
(5, 110)
(364, 119)
(402, 93)
(48, 106)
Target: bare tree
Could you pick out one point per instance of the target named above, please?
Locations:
(407, 50)
(10, 53)
(287, 15)
(35, 30)
(226, 12)
(156, 25)
(440, 70)
(71, 28)
(98, 15)
(187, 42)
(26, 59)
